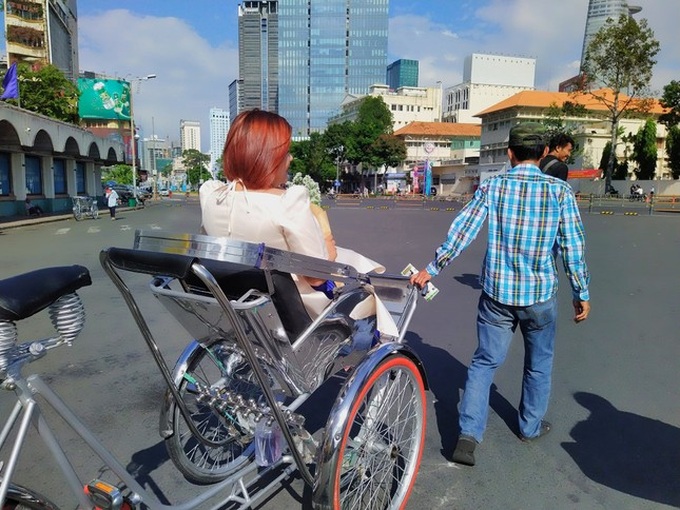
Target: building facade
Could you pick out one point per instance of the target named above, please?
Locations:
(190, 135)
(407, 104)
(592, 129)
(258, 39)
(402, 73)
(43, 31)
(219, 127)
(327, 50)
(487, 79)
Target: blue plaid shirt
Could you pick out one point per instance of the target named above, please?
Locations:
(531, 217)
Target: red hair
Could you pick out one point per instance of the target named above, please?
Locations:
(256, 150)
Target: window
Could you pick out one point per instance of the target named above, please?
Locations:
(33, 176)
(5, 174)
(59, 172)
(80, 178)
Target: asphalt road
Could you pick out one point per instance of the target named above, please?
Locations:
(615, 405)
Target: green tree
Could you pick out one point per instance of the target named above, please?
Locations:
(311, 157)
(673, 150)
(47, 92)
(121, 174)
(195, 163)
(620, 57)
(388, 150)
(644, 150)
(671, 100)
(374, 119)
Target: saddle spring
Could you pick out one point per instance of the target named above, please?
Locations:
(8, 339)
(68, 316)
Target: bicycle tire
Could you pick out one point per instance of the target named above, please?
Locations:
(21, 498)
(377, 463)
(95, 212)
(77, 214)
(218, 366)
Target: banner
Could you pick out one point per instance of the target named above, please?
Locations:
(585, 173)
(104, 99)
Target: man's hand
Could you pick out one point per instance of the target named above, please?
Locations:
(421, 278)
(581, 310)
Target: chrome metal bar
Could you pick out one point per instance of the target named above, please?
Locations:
(11, 420)
(241, 336)
(151, 343)
(28, 408)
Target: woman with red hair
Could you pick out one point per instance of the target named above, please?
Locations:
(256, 206)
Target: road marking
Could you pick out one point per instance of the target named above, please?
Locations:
(93, 230)
(155, 227)
(61, 231)
(125, 227)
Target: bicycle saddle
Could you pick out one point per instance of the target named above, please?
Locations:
(26, 294)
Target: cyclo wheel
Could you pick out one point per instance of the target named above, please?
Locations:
(77, 213)
(222, 367)
(21, 498)
(95, 211)
(382, 441)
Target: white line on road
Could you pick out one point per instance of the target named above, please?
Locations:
(93, 230)
(61, 231)
(125, 227)
(155, 227)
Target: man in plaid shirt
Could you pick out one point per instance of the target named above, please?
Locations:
(532, 217)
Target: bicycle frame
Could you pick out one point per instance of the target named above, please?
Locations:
(27, 411)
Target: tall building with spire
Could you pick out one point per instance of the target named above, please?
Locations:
(599, 11)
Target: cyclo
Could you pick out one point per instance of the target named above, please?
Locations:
(85, 206)
(231, 415)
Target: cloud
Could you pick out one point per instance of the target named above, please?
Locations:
(550, 32)
(192, 75)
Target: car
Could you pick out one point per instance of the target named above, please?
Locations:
(163, 192)
(124, 192)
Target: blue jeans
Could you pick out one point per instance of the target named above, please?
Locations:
(496, 324)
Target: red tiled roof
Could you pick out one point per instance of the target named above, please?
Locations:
(440, 129)
(543, 99)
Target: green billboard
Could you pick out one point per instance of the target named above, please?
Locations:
(103, 99)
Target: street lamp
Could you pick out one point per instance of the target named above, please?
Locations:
(133, 139)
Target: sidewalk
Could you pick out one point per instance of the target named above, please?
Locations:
(8, 222)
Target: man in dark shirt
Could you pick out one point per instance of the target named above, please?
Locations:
(559, 150)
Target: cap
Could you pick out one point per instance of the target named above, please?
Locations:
(527, 134)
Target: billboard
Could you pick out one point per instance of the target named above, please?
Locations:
(104, 99)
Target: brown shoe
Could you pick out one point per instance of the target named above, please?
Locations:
(465, 450)
(542, 431)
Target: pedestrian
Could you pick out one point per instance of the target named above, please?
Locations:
(112, 201)
(530, 217)
(559, 151)
(32, 209)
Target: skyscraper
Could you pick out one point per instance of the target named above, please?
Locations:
(190, 134)
(328, 49)
(219, 127)
(402, 73)
(258, 55)
(598, 13)
(43, 31)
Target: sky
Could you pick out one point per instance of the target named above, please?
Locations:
(192, 46)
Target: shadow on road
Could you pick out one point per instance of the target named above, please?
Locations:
(471, 280)
(627, 452)
(446, 376)
(143, 463)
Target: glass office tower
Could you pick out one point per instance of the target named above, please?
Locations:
(402, 73)
(257, 55)
(327, 49)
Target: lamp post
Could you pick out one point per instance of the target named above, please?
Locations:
(133, 139)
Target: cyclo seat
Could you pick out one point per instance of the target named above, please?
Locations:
(234, 279)
(27, 294)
